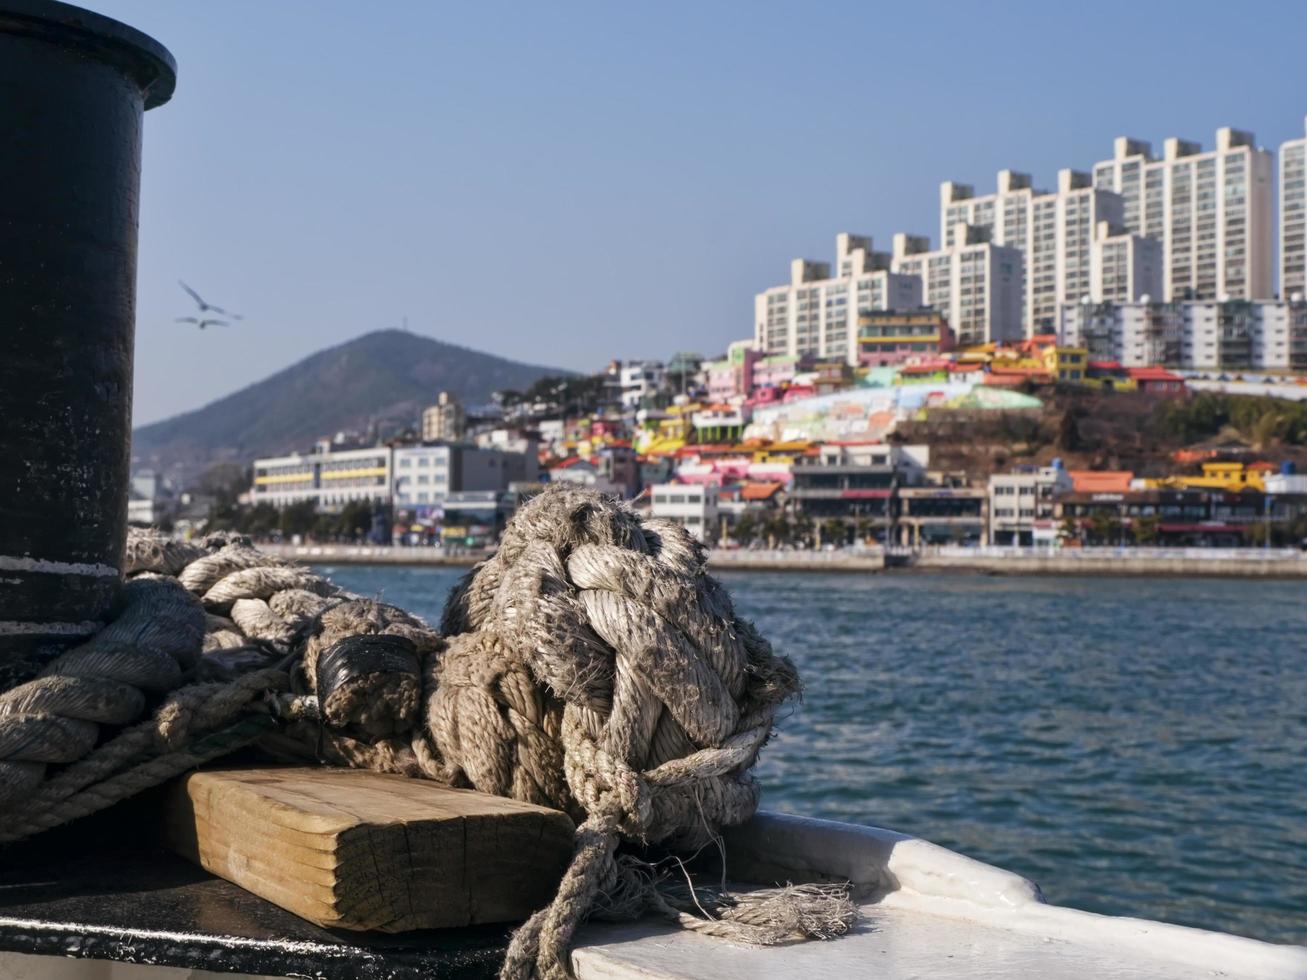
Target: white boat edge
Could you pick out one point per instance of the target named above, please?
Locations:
(911, 879)
(897, 871)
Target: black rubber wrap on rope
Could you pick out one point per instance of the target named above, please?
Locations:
(358, 656)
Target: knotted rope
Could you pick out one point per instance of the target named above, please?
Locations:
(591, 665)
(594, 666)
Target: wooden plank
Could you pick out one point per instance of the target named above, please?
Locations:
(350, 849)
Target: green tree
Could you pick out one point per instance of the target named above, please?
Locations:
(355, 520)
(746, 529)
(260, 521)
(836, 532)
(1104, 528)
(298, 518)
(1145, 530)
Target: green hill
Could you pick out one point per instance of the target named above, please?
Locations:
(381, 379)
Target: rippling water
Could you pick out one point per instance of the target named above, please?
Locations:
(1137, 747)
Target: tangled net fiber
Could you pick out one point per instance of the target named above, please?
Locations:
(591, 665)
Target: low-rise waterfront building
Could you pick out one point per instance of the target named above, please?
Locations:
(930, 515)
(1160, 516)
(415, 478)
(694, 506)
(424, 476)
(474, 519)
(856, 482)
(329, 478)
(1021, 505)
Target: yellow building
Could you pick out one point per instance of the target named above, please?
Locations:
(1216, 476)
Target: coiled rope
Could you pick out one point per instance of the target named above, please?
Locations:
(591, 665)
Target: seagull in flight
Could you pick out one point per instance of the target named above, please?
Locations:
(206, 322)
(206, 307)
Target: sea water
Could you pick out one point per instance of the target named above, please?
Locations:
(1134, 746)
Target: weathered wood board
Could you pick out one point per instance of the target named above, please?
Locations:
(351, 849)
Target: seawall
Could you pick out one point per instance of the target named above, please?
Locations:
(1190, 563)
(1185, 562)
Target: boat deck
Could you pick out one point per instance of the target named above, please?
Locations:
(90, 902)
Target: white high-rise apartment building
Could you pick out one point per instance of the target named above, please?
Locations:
(1267, 335)
(1124, 267)
(817, 313)
(973, 282)
(1293, 217)
(1054, 230)
(1211, 211)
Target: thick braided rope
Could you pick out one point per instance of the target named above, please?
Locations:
(167, 631)
(194, 725)
(594, 666)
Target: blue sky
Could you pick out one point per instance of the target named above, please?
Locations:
(565, 183)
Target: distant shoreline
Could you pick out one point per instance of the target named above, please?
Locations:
(1157, 563)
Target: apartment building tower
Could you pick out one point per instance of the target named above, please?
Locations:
(1210, 210)
(816, 313)
(1259, 335)
(1293, 218)
(1124, 266)
(445, 420)
(1054, 230)
(974, 283)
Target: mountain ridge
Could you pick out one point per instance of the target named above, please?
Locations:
(386, 376)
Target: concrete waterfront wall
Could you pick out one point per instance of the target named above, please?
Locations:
(869, 560)
(848, 560)
(368, 554)
(1188, 562)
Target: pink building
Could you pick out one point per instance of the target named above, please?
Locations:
(732, 376)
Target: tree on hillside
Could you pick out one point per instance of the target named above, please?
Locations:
(1069, 439)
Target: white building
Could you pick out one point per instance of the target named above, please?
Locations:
(640, 380)
(1211, 211)
(414, 478)
(817, 313)
(423, 477)
(150, 500)
(974, 283)
(1021, 506)
(586, 474)
(1293, 217)
(1124, 267)
(330, 479)
(1266, 335)
(444, 421)
(1054, 231)
(693, 506)
(1135, 334)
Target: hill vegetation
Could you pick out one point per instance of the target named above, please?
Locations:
(1111, 431)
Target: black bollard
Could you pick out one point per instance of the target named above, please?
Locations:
(73, 87)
